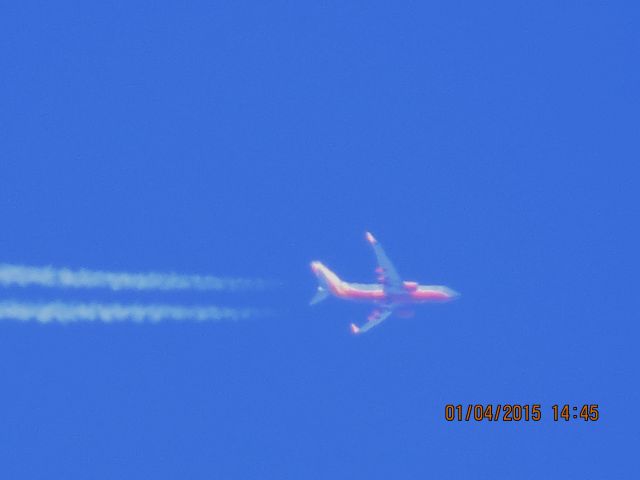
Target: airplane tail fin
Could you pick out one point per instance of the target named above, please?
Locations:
(327, 282)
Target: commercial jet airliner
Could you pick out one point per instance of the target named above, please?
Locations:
(390, 295)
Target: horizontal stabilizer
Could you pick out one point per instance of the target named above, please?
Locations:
(320, 295)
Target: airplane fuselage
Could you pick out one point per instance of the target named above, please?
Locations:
(375, 292)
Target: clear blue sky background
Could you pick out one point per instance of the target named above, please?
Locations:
(491, 148)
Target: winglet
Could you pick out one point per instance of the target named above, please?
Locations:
(370, 238)
(354, 329)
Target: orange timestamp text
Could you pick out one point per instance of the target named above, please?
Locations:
(514, 412)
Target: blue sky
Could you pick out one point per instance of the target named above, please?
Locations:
(489, 148)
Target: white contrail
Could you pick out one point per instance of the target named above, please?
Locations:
(23, 276)
(113, 312)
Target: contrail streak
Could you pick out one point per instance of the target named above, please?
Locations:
(23, 276)
(113, 312)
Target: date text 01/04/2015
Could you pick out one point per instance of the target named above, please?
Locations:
(513, 412)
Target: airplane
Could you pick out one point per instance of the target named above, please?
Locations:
(390, 295)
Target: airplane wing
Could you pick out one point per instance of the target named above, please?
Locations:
(376, 317)
(387, 273)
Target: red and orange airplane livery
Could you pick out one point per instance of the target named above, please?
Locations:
(391, 294)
